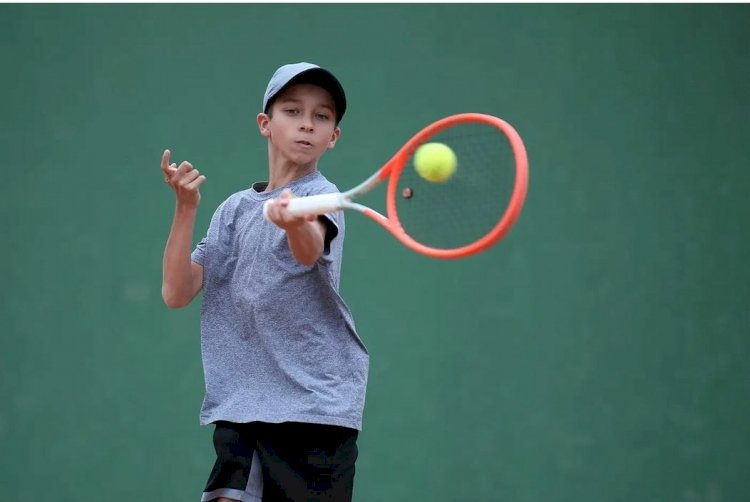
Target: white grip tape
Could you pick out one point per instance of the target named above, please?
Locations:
(314, 204)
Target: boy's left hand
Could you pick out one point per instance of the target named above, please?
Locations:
(279, 215)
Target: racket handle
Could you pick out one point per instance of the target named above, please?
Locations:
(314, 204)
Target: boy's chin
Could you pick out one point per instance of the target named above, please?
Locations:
(303, 158)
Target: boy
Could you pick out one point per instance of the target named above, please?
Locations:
(285, 371)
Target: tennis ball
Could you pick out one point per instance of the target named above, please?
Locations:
(435, 162)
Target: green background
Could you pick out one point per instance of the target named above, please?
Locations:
(599, 353)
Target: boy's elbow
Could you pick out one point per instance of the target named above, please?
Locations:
(174, 304)
(172, 300)
(309, 259)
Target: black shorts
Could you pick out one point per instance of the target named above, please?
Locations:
(282, 462)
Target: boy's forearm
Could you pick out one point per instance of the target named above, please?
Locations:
(306, 242)
(177, 279)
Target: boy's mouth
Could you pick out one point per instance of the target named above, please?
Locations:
(304, 143)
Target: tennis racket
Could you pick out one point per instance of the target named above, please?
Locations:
(462, 216)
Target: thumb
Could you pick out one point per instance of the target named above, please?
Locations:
(286, 194)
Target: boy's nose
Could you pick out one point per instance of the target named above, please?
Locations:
(307, 124)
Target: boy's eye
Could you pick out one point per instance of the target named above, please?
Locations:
(322, 116)
(291, 111)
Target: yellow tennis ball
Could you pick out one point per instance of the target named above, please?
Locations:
(435, 162)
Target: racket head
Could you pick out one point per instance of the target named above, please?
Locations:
(472, 210)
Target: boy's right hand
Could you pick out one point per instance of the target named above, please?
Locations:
(184, 180)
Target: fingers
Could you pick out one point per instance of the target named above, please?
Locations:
(274, 211)
(278, 213)
(167, 169)
(185, 167)
(165, 159)
(184, 175)
(173, 174)
(181, 178)
(198, 181)
(285, 196)
(165, 165)
(189, 177)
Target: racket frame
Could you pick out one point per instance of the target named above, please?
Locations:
(327, 203)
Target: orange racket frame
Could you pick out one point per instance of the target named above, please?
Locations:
(321, 204)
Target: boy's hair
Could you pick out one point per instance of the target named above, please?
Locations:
(305, 73)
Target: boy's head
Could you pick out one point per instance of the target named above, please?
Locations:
(305, 73)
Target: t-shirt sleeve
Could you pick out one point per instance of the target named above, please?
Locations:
(332, 232)
(199, 253)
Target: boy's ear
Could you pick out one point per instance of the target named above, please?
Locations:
(334, 136)
(263, 121)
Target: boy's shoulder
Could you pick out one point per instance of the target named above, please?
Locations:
(314, 183)
(238, 196)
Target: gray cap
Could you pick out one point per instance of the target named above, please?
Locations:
(305, 73)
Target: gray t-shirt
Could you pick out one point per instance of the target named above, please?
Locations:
(278, 341)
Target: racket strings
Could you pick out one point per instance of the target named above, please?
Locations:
(463, 209)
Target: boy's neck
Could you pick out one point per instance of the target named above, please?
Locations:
(279, 178)
(283, 172)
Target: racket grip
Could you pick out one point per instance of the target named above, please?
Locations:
(314, 204)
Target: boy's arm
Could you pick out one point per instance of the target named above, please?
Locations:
(182, 279)
(305, 235)
(306, 241)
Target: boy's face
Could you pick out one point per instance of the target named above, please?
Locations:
(301, 123)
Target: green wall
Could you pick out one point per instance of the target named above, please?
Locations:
(599, 353)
